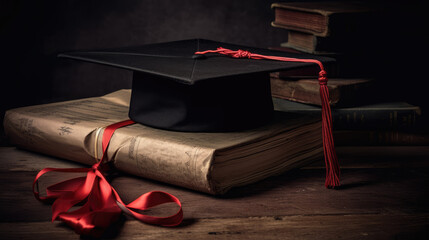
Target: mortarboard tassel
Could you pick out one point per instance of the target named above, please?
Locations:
(331, 160)
(102, 204)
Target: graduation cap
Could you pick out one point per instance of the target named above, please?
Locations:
(207, 86)
(175, 89)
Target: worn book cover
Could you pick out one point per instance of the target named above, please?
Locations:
(206, 162)
(380, 115)
(326, 18)
(381, 137)
(342, 91)
(310, 43)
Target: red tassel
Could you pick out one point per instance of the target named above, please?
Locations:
(331, 161)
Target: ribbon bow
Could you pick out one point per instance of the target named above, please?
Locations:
(331, 160)
(102, 204)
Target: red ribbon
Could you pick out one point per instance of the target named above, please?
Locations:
(331, 160)
(102, 204)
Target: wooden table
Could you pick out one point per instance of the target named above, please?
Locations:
(384, 195)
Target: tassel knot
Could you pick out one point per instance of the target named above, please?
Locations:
(242, 54)
(323, 77)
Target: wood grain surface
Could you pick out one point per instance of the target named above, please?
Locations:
(384, 195)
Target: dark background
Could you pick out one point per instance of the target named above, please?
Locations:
(32, 33)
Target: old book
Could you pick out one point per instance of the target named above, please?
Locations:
(324, 18)
(206, 162)
(384, 115)
(347, 31)
(381, 137)
(310, 43)
(342, 91)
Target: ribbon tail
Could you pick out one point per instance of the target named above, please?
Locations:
(152, 199)
(54, 187)
(68, 200)
(55, 191)
(98, 213)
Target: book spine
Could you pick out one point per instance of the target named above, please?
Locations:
(393, 116)
(309, 43)
(309, 22)
(299, 92)
(342, 92)
(374, 118)
(380, 138)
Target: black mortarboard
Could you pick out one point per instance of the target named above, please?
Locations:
(175, 89)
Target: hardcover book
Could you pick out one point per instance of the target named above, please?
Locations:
(381, 138)
(382, 115)
(309, 43)
(202, 161)
(342, 91)
(323, 18)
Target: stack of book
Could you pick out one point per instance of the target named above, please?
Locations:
(341, 30)
(346, 31)
(326, 27)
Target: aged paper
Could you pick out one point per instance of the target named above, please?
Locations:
(207, 162)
